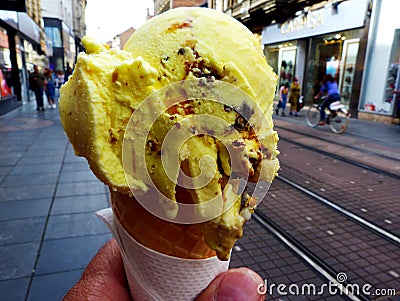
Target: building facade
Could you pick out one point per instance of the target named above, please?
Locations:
(64, 24)
(380, 88)
(322, 40)
(350, 39)
(161, 6)
(36, 32)
(120, 40)
(22, 45)
(78, 13)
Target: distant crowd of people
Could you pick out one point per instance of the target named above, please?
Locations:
(49, 83)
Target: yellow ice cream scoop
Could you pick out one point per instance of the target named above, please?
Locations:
(194, 42)
(235, 145)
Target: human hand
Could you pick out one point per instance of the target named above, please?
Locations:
(104, 279)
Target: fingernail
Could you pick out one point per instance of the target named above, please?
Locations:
(238, 286)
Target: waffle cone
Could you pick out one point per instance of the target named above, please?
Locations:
(178, 240)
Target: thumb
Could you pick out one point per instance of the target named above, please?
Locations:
(235, 284)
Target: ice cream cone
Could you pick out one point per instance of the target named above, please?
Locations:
(153, 276)
(178, 240)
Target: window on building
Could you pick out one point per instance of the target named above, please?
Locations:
(5, 66)
(393, 76)
(226, 4)
(54, 34)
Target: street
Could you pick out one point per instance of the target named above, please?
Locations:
(335, 206)
(330, 218)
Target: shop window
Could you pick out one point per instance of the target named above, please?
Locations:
(391, 94)
(6, 82)
(350, 51)
(272, 54)
(54, 34)
(282, 59)
(5, 66)
(325, 57)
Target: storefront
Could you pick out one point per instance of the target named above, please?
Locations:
(63, 44)
(21, 47)
(5, 66)
(10, 89)
(380, 98)
(329, 39)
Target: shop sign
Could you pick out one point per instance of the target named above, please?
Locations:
(9, 17)
(345, 15)
(304, 22)
(29, 27)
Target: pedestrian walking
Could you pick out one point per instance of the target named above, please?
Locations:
(283, 95)
(294, 97)
(50, 89)
(59, 80)
(68, 72)
(36, 84)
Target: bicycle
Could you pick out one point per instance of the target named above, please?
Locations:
(338, 118)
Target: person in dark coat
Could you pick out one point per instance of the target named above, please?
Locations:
(36, 84)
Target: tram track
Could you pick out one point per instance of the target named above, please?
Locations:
(348, 160)
(348, 214)
(350, 200)
(333, 207)
(301, 249)
(329, 140)
(313, 261)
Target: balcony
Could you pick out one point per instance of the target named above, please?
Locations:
(256, 14)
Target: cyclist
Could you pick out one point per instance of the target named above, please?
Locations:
(330, 88)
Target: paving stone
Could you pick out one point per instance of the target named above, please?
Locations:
(78, 176)
(46, 145)
(4, 170)
(14, 290)
(61, 255)
(78, 204)
(43, 159)
(72, 158)
(26, 192)
(10, 210)
(75, 166)
(73, 225)
(86, 188)
(50, 153)
(29, 179)
(272, 273)
(52, 286)
(36, 169)
(9, 159)
(18, 260)
(21, 230)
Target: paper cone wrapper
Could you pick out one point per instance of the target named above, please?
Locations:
(156, 276)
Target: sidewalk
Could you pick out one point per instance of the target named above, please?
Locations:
(384, 134)
(48, 196)
(47, 199)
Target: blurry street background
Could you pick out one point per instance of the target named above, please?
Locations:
(331, 216)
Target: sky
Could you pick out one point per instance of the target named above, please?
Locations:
(107, 18)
